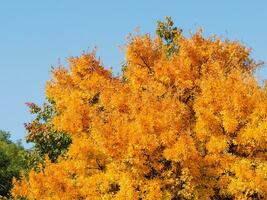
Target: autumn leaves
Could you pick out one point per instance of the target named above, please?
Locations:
(186, 120)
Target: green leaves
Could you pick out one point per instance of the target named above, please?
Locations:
(12, 161)
(41, 132)
(169, 34)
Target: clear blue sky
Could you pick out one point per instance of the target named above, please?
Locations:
(34, 35)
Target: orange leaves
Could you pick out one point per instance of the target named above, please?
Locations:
(143, 52)
(182, 150)
(217, 145)
(249, 180)
(86, 65)
(188, 125)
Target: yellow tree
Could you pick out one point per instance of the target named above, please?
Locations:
(186, 120)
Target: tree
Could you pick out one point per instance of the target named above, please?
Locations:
(11, 162)
(183, 124)
(41, 132)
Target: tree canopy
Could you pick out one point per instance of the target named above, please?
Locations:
(12, 161)
(186, 120)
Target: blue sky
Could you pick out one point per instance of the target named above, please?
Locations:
(36, 35)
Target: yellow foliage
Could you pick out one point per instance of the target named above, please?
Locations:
(187, 126)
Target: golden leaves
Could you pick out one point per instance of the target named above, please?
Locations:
(191, 125)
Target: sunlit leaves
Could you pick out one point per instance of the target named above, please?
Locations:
(183, 125)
